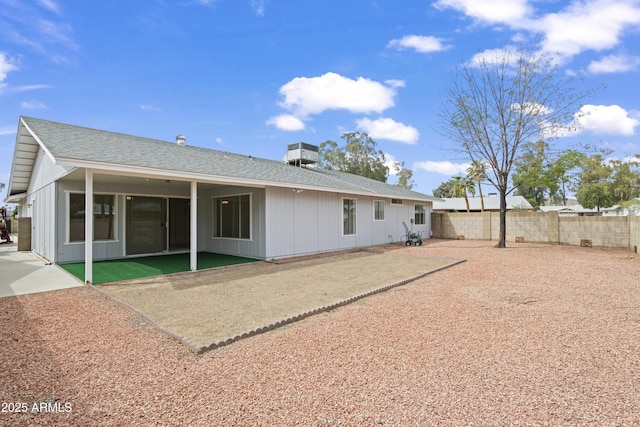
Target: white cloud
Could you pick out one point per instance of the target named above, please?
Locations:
(489, 11)
(258, 7)
(50, 5)
(148, 107)
(386, 128)
(594, 25)
(495, 56)
(390, 163)
(286, 122)
(395, 83)
(580, 26)
(304, 96)
(532, 109)
(7, 130)
(6, 66)
(444, 168)
(422, 44)
(32, 105)
(606, 120)
(25, 88)
(614, 64)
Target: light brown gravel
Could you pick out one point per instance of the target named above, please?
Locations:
(528, 335)
(211, 306)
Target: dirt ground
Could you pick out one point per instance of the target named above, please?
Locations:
(208, 308)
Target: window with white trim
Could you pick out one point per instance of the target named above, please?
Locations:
(378, 210)
(420, 217)
(396, 202)
(104, 213)
(232, 216)
(348, 216)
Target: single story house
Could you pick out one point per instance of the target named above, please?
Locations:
(491, 204)
(134, 196)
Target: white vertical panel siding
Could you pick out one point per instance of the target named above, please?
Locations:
(379, 227)
(279, 219)
(329, 225)
(42, 197)
(307, 222)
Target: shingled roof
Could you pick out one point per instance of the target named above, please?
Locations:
(78, 146)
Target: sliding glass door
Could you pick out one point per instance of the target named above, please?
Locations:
(146, 225)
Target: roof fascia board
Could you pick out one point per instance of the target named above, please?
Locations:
(15, 198)
(140, 171)
(33, 134)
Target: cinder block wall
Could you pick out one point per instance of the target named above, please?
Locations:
(634, 233)
(604, 231)
(618, 232)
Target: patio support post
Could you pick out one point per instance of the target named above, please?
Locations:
(88, 227)
(193, 241)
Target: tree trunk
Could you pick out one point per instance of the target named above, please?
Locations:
(481, 198)
(502, 238)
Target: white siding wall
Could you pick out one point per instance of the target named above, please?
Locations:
(310, 221)
(41, 205)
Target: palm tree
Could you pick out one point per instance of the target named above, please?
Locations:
(459, 188)
(477, 171)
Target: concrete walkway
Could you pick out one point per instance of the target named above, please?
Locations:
(25, 273)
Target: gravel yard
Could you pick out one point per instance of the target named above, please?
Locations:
(217, 306)
(528, 335)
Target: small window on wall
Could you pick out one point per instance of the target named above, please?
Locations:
(378, 210)
(348, 216)
(232, 216)
(104, 212)
(396, 202)
(420, 215)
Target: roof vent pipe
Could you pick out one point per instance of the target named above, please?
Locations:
(181, 139)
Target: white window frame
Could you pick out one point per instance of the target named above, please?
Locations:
(396, 202)
(68, 218)
(375, 210)
(423, 213)
(215, 217)
(355, 216)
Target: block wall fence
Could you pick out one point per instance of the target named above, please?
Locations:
(542, 227)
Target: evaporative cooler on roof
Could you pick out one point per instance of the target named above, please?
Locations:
(300, 153)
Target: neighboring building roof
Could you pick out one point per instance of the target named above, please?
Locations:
(491, 203)
(579, 210)
(82, 147)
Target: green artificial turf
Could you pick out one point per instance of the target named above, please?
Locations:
(134, 268)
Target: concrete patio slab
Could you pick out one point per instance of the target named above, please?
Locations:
(26, 273)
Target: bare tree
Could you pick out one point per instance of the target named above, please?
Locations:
(495, 103)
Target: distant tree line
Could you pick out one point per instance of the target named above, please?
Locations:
(546, 178)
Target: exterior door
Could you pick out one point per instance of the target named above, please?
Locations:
(179, 223)
(146, 225)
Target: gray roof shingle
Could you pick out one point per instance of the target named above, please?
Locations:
(81, 144)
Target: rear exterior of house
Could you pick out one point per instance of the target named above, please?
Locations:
(143, 191)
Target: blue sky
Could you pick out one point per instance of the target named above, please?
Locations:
(251, 76)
